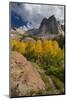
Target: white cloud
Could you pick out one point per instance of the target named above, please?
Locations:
(35, 13)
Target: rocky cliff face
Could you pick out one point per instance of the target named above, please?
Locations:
(24, 77)
(49, 25)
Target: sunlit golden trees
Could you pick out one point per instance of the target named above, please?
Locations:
(18, 46)
(38, 48)
(51, 47)
(30, 47)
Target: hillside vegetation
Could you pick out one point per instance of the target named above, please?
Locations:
(48, 58)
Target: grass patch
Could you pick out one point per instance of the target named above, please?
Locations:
(58, 83)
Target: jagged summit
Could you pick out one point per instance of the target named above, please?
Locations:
(52, 17)
(49, 25)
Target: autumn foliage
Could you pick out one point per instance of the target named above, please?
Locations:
(39, 47)
(47, 54)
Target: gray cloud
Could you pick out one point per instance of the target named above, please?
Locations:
(35, 13)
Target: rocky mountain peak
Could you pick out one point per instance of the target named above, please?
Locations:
(52, 18)
(49, 25)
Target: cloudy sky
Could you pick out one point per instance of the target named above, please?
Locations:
(33, 14)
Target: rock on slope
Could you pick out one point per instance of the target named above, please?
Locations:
(16, 33)
(24, 78)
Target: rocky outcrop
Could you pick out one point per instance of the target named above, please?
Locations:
(24, 78)
(49, 25)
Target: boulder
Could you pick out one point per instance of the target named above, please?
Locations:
(25, 80)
